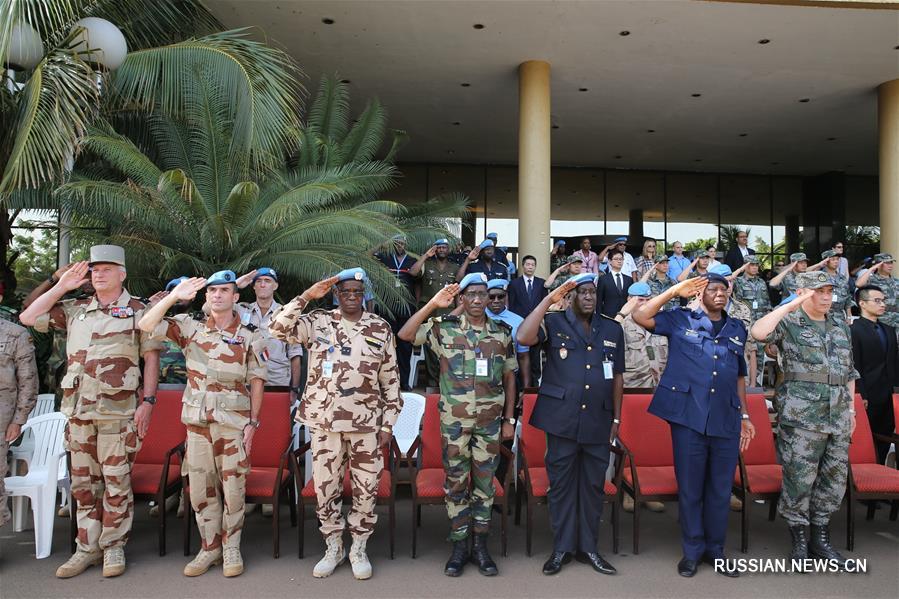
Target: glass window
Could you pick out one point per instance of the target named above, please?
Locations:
(746, 206)
(692, 210)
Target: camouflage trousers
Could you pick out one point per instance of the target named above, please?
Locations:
(815, 466)
(217, 466)
(332, 454)
(7, 411)
(470, 459)
(102, 453)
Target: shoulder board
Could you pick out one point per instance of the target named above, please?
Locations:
(447, 318)
(250, 327)
(503, 325)
(319, 312)
(199, 316)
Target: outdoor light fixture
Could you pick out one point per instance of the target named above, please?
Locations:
(25, 48)
(101, 43)
(804, 100)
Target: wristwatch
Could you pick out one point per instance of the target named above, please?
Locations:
(511, 421)
(744, 416)
(386, 429)
(150, 399)
(254, 423)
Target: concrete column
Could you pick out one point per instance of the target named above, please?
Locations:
(534, 164)
(888, 129)
(635, 226)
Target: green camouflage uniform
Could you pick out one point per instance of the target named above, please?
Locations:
(433, 280)
(788, 284)
(890, 288)
(842, 299)
(172, 366)
(8, 314)
(471, 409)
(658, 287)
(753, 291)
(814, 423)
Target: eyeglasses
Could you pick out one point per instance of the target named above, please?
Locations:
(496, 296)
(876, 300)
(351, 293)
(586, 291)
(473, 295)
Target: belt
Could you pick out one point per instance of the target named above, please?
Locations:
(816, 377)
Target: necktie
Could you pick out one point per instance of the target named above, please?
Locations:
(529, 287)
(620, 282)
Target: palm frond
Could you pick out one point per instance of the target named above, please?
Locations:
(330, 111)
(121, 153)
(366, 135)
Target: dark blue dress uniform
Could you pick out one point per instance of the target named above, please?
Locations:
(697, 395)
(575, 410)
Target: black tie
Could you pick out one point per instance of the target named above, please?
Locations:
(620, 282)
(529, 287)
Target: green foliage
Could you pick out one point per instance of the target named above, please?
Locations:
(698, 244)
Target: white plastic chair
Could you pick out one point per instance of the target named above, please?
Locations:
(40, 483)
(22, 451)
(418, 355)
(408, 423)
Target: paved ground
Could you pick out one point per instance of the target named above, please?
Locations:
(650, 574)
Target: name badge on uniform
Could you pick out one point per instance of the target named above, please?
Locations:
(607, 343)
(397, 283)
(755, 304)
(563, 352)
(607, 369)
(327, 369)
(480, 367)
(691, 333)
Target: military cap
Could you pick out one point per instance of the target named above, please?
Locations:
(575, 259)
(265, 271)
(399, 237)
(584, 278)
(827, 254)
(487, 243)
(498, 284)
(174, 283)
(111, 254)
(702, 254)
(717, 277)
(798, 257)
(621, 239)
(222, 277)
(351, 274)
(492, 236)
(751, 260)
(661, 258)
(561, 242)
(475, 278)
(442, 241)
(639, 289)
(721, 269)
(813, 280)
(885, 257)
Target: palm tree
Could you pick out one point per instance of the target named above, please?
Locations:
(186, 203)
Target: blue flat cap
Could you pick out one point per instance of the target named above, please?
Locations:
(618, 239)
(351, 274)
(721, 269)
(265, 271)
(442, 241)
(584, 278)
(222, 277)
(475, 278)
(487, 243)
(498, 284)
(492, 235)
(174, 283)
(639, 289)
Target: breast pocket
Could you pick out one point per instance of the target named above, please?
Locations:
(691, 345)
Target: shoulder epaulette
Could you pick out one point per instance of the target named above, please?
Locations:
(504, 325)
(448, 318)
(250, 327)
(199, 316)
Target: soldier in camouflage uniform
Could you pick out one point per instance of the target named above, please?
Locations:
(434, 271)
(658, 280)
(698, 267)
(18, 392)
(816, 416)
(477, 394)
(100, 396)
(225, 378)
(842, 298)
(645, 354)
(881, 275)
(572, 268)
(350, 403)
(751, 289)
(172, 366)
(786, 281)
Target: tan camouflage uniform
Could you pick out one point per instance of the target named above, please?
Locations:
(100, 391)
(279, 352)
(216, 408)
(18, 390)
(345, 410)
(645, 355)
(742, 312)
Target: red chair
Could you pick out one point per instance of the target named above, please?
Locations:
(272, 468)
(428, 476)
(648, 459)
(386, 491)
(867, 480)
(758, 475)
(533, 480)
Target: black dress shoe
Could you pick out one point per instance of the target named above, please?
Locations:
(555, 562)
(687, 567)
(597, 562)
(727, 568)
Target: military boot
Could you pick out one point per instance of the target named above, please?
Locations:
(233, 562)
(334, 556)
(204, 560)
(113, 561)
(359, 560)
(79, 562)
(819, 545)
(799, 549)
(481, 557)
(458, 559)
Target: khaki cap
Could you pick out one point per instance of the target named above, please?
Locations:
(113, 254)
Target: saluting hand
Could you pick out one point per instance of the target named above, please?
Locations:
(154, 299)
(188, 288)
(474, 253)
(690, 287)
(560, 292)
(320, 289)
(802, 296)
(432, 251)
(444, 297)
(76, 276)
(246, 279)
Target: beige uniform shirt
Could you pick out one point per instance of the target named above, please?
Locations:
(279, 352)
(18, 373)
(104, 347)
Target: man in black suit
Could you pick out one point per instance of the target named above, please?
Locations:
(875, 354)
(525, 293)
(611, 290)
(736, 256)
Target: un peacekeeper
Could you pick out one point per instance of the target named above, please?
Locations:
(100, 395)
(172, 367)
(579, 409)
(881, 275)
(482, 259)
(645, 354)
(816, 416)
(477, 393)
(351, 402)
(786, 281)
(435, 271)
(750, 289)
(842, 299)
(225, 379)
(702, 395)
(658, 280)
(18, 392)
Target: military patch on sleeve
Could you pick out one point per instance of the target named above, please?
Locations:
(376, 343)
(448, 318)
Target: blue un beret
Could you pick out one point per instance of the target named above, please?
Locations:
(487, 243)
(639, 289)
(475, 278)
(584, 278)
(174, 283)
(620, 239)
(265, 271)
(721, 269)
(497, 284)
(351, 274)
(492, 236)
(222, 277)
(442, 241)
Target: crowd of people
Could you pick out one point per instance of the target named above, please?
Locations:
(693, 331)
